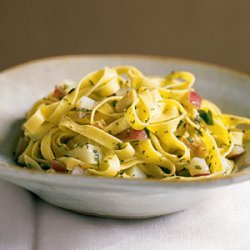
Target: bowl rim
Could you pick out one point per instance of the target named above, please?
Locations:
(17, 172)
(126, 55)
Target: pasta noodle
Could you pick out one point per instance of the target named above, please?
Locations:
(117, 122)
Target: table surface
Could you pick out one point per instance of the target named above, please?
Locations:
(222, 222)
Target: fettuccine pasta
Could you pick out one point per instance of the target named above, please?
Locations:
(117, 122)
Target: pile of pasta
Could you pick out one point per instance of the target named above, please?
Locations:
(117, 122)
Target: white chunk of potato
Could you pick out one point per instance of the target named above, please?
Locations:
(198, 166)
(136, 172)
(87, 153)
(85, 103)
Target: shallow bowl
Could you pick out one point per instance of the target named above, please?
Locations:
(22, 85)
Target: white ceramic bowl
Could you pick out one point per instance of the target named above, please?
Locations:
(22, 85)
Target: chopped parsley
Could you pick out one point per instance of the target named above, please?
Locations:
(83, 110)
(180, 124)
(45, 166)
(135, 141)
(97, 158)
(91, 83)
(147, 131)
(197, 167)
(198, 131)
(184, 173)
(207, 116)
(113, 103)
(190, 139)
(71, 90)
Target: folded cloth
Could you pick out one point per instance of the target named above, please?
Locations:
(17, 218)
(223, 222)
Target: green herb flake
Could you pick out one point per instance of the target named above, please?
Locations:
(71, 90)
(83, 110)
(207, 116)
(190, 139)
(113, 103)
(97, 158)
(45, 166)
(119, 146)
(198, 131)
(147, 131)
(91, 83)
(135, 141)
(197, 167)
(183, 173)
(180, 124)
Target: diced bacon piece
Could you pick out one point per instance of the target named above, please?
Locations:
(195, 99)
(58, 93)
(132, 135)
(58, 166)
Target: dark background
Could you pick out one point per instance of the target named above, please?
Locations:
(213, 31)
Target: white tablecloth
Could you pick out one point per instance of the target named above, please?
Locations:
(222, 222)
